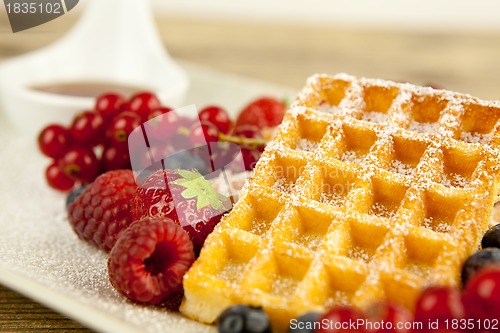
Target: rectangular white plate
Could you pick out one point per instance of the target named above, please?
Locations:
(42, 258)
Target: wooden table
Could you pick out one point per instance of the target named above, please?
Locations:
(284, 54)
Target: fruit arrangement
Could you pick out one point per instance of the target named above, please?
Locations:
(152, 232)
(475, 308)
(97, 141)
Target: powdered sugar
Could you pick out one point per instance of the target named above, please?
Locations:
(259, 226)
(330, 199)
(430, 223)
(359, 253)
(352, 157)
(338, 297)
(429, 128)
(307, 145)
(284, 286)
(230, 184)
(375, 117)
(475, 137)
(310, 240)
(231, 271)
(284, 185)
(327, 108)
(381, 210)
(41, 255)
(402, 168)
(455, 180)
(418, 269)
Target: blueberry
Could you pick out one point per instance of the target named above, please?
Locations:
(187, 160)
(492, 237)
(305, 323)
(479, 260)
(75, 193)
(243, 319)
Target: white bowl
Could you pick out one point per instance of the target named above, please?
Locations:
(100, 48)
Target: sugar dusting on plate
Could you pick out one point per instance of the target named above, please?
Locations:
(38, 244)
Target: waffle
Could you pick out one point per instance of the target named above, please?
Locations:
(370, 190)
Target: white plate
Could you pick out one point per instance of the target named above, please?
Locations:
(42, 258)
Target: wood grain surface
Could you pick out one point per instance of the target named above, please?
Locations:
(284, 54)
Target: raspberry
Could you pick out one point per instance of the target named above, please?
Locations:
(149, 260)
(102, 211)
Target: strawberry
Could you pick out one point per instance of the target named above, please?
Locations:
(185, 197)
(262, 112)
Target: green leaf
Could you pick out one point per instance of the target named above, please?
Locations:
(200, 188)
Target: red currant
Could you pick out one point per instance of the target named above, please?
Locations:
(143, 103)
(115, 158)
(251, 132)
(439, 304)
(158, 112)
(180, 140)
(184, 125)
(482, 295)
(162, 127)
(121, 126)
(125, 107)
(142, 157)
(339, 319)
(396, 318)
(80, 163)
(54, 141)
(262, 112)
(109, 106)
(248, 131)
(87, 128)
(57, 179)
(250, 154)
(250, 157)
(217, 116)
(201, 135)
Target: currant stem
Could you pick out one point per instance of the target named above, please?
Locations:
(241, 140)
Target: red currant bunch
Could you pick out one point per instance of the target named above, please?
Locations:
(96, 140)
(242, 141)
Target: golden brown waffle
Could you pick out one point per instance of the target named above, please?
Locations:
(370, 190)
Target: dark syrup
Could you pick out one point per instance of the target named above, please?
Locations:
(87, 89)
